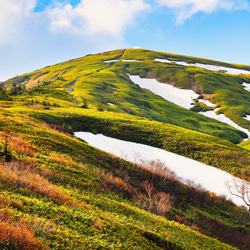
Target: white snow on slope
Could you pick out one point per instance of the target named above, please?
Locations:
(223, 118)
(246, 86)
(207, 102)
(227, 70)
(210, 178)
(181, 97)
(247, 117)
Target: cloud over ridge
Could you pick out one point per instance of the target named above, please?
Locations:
(186, 8)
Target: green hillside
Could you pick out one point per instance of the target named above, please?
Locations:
(93, 81)
(57, 192)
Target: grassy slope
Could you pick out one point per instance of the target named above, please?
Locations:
(68, 195)
(245, 144)
(96, 81)
(205, 148)
(65, 194)
(228, 93)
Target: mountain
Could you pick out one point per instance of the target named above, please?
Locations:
(105, 78)
(57, 192)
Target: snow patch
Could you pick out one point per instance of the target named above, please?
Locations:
(247, 117)
(210, 178)
(207, 102)
(246, 86)
(227, 70)
(180, 97)
(223, 118)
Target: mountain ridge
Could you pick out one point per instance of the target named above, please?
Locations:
(108, 76)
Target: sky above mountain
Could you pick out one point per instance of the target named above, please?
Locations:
(38, 33)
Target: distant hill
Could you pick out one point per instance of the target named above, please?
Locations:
(104, 79)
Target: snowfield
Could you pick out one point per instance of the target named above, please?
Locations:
(247, 117)
(227, 70)
(210, 178)
(182, 98)
(223, 118)
(246, 86)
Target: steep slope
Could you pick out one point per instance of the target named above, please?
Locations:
(60, 193)
(103, 79)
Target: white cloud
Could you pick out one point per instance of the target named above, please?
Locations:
(186, 8)
(96, 16)
(12, 16)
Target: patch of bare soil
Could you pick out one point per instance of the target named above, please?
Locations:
(208, 96)
(33, 83)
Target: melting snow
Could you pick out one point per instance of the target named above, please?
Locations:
(223, 118)
(247, 117)
(246, 86)
(227, 70)
(207, 102)
(210, 178)
(181, 97)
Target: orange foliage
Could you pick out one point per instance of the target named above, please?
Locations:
(114, 182)
(61, 159)
(181, 220)
(6, 201)
(56, 128)
(17, 144)
(16, 236)
(34, 182)
(19, 123)
(35, 107)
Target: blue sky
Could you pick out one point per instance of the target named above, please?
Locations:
(38, 33)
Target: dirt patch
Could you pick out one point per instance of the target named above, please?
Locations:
(148, 90)
(150, 75)
(208, 96)
(33, 83)
(195, 87)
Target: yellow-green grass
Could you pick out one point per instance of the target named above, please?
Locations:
(94, 81)
(93, 216)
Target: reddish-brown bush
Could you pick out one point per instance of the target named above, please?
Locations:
(14, 237)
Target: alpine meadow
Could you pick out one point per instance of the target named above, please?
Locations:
(59, 192)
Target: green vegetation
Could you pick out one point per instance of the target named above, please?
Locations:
(61, 193)
(91, 79)
(204, 148)
(57, 192)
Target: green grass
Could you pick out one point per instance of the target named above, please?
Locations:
(98, 214)
(208, 149)
(63, 194)
(96, 81)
